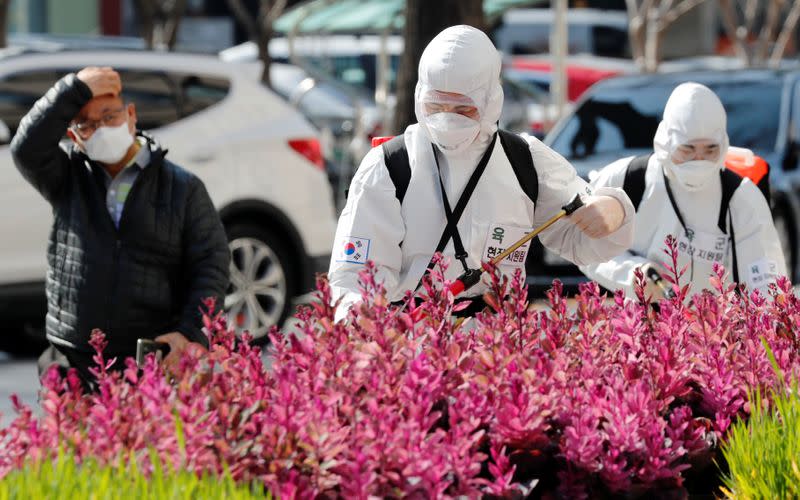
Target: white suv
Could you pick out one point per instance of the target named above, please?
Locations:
(259, 159)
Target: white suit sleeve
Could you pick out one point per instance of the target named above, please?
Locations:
(617, 273)
(370, 227)
(758, 248)
(558, 183)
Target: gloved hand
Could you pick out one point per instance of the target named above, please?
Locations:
(599, 216)
(655, 287)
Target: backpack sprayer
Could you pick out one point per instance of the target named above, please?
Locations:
(471, 277)
(656, 278)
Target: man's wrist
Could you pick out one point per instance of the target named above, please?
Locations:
(79, 85)
(192, 334)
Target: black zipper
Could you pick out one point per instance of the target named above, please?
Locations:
(118, 244)
(109, 296)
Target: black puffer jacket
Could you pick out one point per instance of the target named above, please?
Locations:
(144, 279)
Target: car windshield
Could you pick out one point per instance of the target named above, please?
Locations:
(625, 118)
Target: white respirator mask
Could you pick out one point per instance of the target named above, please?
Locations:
(694, 175)
(108, 144)
(452, 132)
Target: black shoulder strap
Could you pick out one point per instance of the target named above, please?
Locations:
(634, 183)
(395, 155)
(730, 183)
(515, 147)
(519, 155)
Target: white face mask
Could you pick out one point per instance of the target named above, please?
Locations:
(108, 144)
(694, 175)
(452, 132)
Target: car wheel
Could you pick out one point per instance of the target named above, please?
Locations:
(786, 233)
(261, 288)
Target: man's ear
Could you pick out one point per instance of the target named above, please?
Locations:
(75, 139)
(132, 117)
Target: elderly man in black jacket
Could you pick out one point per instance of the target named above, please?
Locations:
(136, 243)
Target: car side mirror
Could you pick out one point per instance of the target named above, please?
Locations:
(5, 133)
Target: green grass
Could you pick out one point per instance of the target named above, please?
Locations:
(763, 453)
(63, 478)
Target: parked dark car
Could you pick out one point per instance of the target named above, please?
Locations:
(618, 118)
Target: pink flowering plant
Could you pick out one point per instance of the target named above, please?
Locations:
(603, 397)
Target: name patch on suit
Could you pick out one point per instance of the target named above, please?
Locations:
(704, 246)
(761, 272)
(500, 238)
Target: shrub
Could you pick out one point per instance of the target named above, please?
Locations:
(762, 453)
(604, 398)
(63, 478)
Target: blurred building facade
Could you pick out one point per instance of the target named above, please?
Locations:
(55, 16)
(208, 25)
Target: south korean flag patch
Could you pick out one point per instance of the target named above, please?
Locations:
(353, 250)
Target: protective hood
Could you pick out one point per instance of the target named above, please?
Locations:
(462, 60)
(692, 112)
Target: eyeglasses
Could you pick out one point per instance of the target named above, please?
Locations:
(703, 151)
(468, 111)
(86, 128)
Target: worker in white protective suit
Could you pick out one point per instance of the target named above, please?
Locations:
(683, 197)
(458, 100)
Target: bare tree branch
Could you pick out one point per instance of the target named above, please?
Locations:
(636, 29)
(651, 43)
(244, 18)
(647, 24)
(159, 21)
(679, 10)
(276, 10)
(751, 14)
(633, 9)
(172, 22)
(146, 11)
(259, 28)
(268, 13)
(648, 6)
(4, 4)
(783, 39)
(774, 8)
(730, 22)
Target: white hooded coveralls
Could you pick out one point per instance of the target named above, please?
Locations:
(693, 112)
(402, 239)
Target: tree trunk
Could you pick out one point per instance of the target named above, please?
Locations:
(146, 15)
(4, 4)
(774, 9)
(424, 20)
(652, 41)
(729, 17)
(259, 29)
(471, 14)
(636, 39)
(636, 25)
(263, 54)
(172, 23)
(159, 22)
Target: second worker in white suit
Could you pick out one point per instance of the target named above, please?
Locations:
(454, 165)
(716, 216)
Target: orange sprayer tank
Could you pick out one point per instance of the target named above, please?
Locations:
(745, 163)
